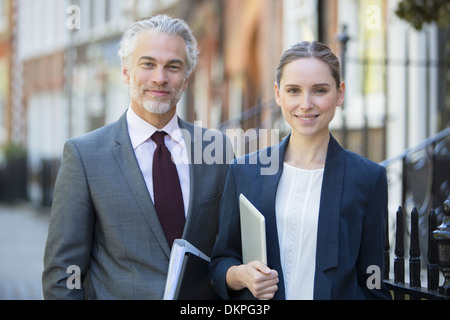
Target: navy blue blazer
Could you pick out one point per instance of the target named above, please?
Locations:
(350, 238)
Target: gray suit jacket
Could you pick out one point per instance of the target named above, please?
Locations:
(104, 222)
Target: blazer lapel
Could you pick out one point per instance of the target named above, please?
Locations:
(268, 198)
(129, 166)
(329, 212)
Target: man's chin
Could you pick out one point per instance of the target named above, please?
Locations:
(157, 108)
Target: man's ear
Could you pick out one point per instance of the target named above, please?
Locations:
(125, 75)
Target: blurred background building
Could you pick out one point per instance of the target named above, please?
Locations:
(60, 77)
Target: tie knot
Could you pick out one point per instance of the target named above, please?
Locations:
(158, 137)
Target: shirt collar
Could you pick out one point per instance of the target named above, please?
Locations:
(140, 130)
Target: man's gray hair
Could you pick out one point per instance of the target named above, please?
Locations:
(163, 24)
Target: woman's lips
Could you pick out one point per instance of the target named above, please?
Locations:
(307, 117)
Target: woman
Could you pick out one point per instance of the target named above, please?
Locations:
(324, 208)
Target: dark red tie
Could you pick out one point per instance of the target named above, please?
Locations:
(168, 198)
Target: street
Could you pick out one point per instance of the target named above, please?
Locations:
(23, 233)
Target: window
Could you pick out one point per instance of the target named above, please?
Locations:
(301, 21)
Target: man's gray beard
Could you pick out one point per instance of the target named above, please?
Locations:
(159, 107)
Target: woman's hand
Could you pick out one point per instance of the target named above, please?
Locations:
(256, 276)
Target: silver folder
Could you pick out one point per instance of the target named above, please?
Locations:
(253, 232)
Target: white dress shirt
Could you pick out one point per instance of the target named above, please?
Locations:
(140, 132)
(297, 216)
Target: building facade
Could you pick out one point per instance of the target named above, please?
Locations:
(6, 45)
(63, 75)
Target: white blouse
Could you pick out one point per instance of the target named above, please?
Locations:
(297, 214)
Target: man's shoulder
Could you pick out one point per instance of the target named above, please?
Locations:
(100, 136)
(211, 145)
(198, 128)
(198, 133)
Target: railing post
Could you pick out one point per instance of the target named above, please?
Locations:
(442, 237)
(414, 252)
(433, 267)
(387, 260)
(399, 262)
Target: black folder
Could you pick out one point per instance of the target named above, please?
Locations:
(188, 274)
(195, 283)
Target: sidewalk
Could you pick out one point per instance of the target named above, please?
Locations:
(23, 233)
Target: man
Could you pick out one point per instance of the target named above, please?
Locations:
(106, 221)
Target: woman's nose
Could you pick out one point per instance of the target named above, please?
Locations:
(306, 102)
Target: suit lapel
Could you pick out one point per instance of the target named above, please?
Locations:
(124, 154)
(329, 212)
(193, 140)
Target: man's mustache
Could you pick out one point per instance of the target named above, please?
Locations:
(157, 88)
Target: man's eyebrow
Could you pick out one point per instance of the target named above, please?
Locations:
(177, 61)
(147, 58)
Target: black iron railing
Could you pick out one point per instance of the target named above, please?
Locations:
(438, 256)
(425, 195)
